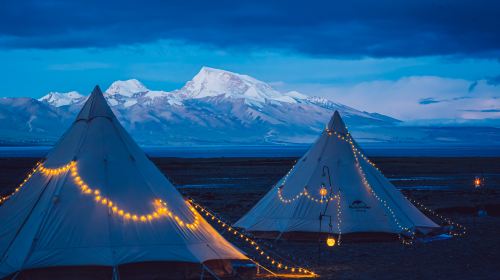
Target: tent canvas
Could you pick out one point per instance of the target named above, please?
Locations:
(97, 200)
(336, 182)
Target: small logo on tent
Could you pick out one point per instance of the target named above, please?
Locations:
(359, 205)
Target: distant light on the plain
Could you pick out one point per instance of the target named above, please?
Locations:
(477, 182)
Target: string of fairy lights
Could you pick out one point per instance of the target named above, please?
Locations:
(162, 210)
(383, 201)
(306, 194)
(339, 222)
(356, 152)
(462, 229)
(244, 237)
(160, 206)
(18, 188)
(324, 196)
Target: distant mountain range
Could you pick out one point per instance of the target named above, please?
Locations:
(217, 107)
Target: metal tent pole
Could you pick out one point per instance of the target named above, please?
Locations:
(116, 273)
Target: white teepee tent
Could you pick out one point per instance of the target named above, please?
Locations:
(97, 200)
(336, 183)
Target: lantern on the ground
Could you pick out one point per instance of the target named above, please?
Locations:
(330, 241)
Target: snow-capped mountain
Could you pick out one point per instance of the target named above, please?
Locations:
(59, 99)
(215, 107)
(210, 82)
(219, 106)
(127, 88)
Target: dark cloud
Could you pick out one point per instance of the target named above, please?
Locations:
(381, 28)
(427, 101)
(484, 111)
(431, 100)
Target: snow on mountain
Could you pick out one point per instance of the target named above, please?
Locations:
(59, 99)
(218, 107)
(126, 88)
(210, 82)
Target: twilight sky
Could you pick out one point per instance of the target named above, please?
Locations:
(414, 60)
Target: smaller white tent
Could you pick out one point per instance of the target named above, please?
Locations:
(334, 189)
(97, 201)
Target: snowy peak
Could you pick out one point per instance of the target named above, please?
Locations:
(126, 88)
(59, 99)
(250, 98)
(211, 82)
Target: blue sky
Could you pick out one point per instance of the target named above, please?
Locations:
(410, 59)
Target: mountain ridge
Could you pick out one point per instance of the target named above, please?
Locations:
(216, 107)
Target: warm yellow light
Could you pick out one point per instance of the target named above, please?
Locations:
(330, 241)
(477, 182)
(161, 210)
(323, 191)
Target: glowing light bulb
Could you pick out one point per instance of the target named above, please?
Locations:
(323, 191)
(330, 241)
(477, 182)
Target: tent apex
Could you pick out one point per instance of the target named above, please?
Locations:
(337, 124)
(95, 106)
(96, 90)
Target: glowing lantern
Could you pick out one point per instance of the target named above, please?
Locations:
(477, 182)
(330, 241)
(323, 191)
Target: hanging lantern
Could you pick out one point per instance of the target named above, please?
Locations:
(323, 191)
(330, 241)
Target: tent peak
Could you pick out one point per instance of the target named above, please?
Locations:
(337, 124)
(95, 106)
(96, 90)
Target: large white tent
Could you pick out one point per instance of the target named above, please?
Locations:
(334, 189)
(98, 201)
